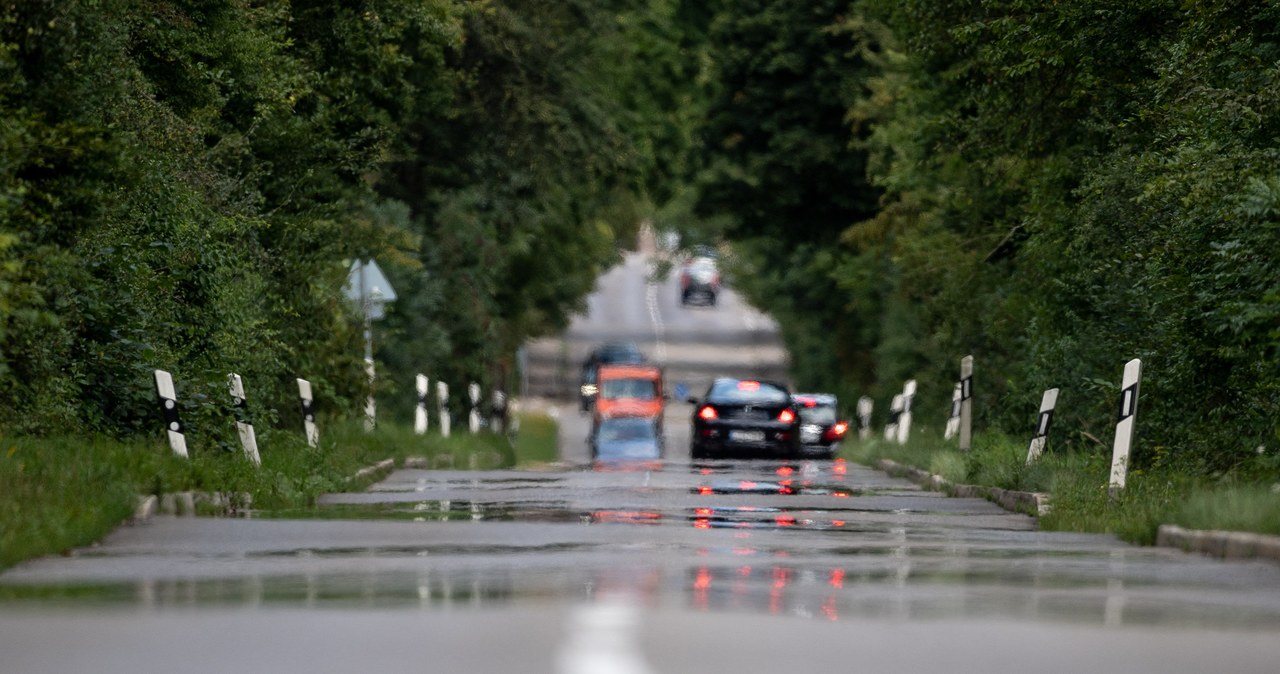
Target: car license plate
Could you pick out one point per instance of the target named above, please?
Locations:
(746, 436)
(810, 433)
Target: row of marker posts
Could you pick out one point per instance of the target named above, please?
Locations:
(960, 419)
(167, 394)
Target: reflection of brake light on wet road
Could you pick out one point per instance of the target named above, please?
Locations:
(625, 517)
(839, 468)
(702, 512)
(705, 490)
(702, 523)
(837, 578)
(785, 471)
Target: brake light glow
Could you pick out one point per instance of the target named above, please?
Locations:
(786, 416)
(748, 386)
(707, 413)
(837, 431)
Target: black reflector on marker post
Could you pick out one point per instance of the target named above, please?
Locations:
(1047, 402)
(169, 410)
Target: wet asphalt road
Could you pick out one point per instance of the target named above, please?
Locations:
(752, 566)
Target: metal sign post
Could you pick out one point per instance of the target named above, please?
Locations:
(1047, 403)
(244, 426)
(966, 403)
(370, 289)
(169, 408)
(1126, 424)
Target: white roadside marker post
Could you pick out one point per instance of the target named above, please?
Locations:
(904, 419)
(473, 419)
(498, 415)
(308, 413)
(420, 421)
(865, 406)
(1047, 402)
(248, 439)
(953, 421)
(169, 408)
(895, 413)
(966, 403)
(1126, 425)
(442, 399)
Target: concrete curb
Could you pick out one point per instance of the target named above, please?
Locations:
(185, 503)
(1233, 545)
(1035, 504)
(383, 466)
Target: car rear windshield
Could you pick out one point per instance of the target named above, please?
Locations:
(628, 388)
(819, 414)
(735, 391)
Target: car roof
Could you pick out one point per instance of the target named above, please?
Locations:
(618, 352)
(639, 370)
(818, 398)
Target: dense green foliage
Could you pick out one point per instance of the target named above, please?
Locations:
(1058, 188)
(183, 185)
(1054, 188)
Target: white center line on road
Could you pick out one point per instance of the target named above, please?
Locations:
(603, 640)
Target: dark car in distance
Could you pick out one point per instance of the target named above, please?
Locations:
(699, 281)
(609, 353)
(745, 417)
(821, 428)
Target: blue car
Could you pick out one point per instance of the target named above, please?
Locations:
(627, 439)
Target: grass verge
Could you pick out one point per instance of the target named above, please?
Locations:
(57, 494)
(1077, 483)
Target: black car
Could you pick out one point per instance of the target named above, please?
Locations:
(609, 353)
(745, 417)
(821, 428)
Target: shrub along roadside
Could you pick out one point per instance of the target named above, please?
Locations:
(57, 494)
(1078, 485)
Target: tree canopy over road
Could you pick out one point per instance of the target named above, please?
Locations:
(1052, 187)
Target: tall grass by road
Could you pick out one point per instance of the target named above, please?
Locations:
(57, 494)
(1077, 483)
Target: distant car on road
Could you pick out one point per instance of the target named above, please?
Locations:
(627, 439)
(821, 428)
(609, 353)
(633, 389)
(699, 281)
(745, 417)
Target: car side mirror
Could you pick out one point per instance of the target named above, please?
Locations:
(691, 400)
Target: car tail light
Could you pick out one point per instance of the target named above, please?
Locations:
(786, 416)
(707, 413)
(836, 432)
(748, 386)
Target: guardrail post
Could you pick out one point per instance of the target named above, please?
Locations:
(1125, 425)
(904, 419)
(966, 403)
(169, 408)
(865, 406)
(420, 422)
(308, 413)
(498, 411)
(244, 427)
(1047, 402)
